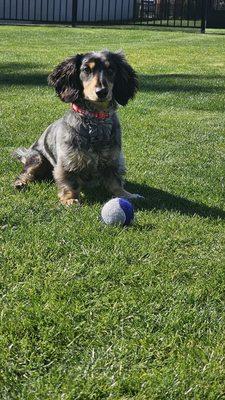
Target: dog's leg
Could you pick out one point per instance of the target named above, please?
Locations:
(113, 178)
(68, 186)
(114, 184)
(36, 167)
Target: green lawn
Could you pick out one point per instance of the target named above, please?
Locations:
(93, 312)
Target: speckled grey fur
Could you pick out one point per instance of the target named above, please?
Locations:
(83, 148)
(83, 145)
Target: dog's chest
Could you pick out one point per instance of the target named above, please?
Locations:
(93, 149)
(94, 135)
(90, 162)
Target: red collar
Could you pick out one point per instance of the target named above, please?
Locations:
(98, 115)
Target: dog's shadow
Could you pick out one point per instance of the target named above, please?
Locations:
(157, 199)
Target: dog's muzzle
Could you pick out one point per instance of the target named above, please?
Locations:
(101, 93)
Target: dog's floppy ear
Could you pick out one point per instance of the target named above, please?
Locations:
(65, 79)
(126, 81)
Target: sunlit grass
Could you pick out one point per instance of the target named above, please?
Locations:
(92, 312)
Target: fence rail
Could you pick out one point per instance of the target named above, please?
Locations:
(183, 13)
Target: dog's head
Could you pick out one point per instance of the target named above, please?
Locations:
(96, 77)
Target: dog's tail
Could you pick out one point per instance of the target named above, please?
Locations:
(27, 156)
(20, 154)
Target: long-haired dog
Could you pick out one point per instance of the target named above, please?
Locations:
(85, 145)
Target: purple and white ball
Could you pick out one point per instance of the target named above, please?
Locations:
(117, 211)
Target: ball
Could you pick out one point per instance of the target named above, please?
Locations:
(117, 211)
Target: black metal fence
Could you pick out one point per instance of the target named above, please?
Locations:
(181, 13)
(216, 14)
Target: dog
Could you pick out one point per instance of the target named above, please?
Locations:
(84, 147)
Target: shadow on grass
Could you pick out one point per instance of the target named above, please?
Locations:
(196, 84)
(22, 74)
(31, 74)
(158, 200)
(154, 200)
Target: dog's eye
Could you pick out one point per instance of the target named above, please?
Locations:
(86, 69)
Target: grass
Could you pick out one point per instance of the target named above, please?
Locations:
(92, 312)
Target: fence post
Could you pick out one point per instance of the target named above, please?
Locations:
(74, 12)
(134, 11)
(204, 15)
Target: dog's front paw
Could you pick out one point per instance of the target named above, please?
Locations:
(133, 196)
(69, 201)
(127, 195)
(136, 196)
(19, 184)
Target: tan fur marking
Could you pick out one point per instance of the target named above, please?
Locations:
(67, 194)
(23, 180)
(117, 189)
(89, 88)
(36, 171)
(91, 65)
(68, 198)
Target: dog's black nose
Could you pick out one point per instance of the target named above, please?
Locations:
(101, 93)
